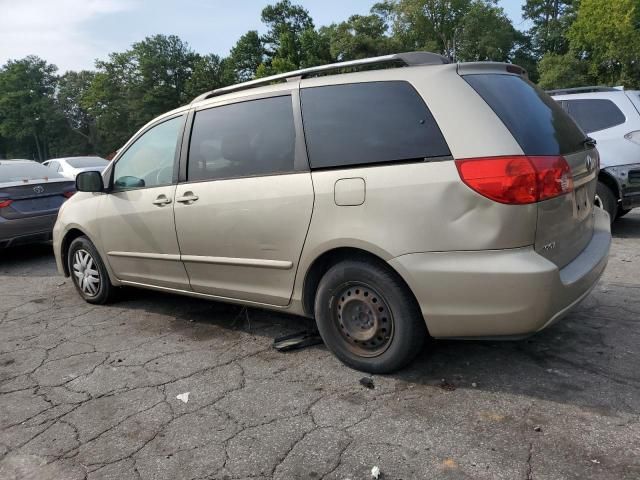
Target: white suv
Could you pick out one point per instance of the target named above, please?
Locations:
(612, 117)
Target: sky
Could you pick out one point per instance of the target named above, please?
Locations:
(72, 34)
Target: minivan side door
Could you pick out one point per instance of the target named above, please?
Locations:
(136, 224)
(245, 199)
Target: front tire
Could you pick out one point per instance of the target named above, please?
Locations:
(606, 200)
(368, 318)
(88, 272)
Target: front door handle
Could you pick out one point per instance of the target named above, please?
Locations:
(162, 200)
(188, 197)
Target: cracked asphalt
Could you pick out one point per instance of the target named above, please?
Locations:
(90, 392)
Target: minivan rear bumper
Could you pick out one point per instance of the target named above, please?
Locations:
(498, 293)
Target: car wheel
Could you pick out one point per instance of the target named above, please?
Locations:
(606, 200)
(368, 318)
(88, 272)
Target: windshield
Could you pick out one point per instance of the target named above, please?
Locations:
(87, 162)
(21, 171)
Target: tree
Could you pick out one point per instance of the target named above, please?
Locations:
(246, 56)
(485, 33)
(361, 36)
(458, 29)
(432, 25)
(607, 36)
(550, 19)
(72, 88)
(284, 19)
(28, 112)
(209, 72)
(562, 71)
(132, 87)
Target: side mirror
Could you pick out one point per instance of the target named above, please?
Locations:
(129, 181)
(89, 182)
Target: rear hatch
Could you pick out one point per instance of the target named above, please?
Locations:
(28, 189)
(543, 129)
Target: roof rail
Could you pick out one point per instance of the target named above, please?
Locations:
(570, 91)
(407, 59)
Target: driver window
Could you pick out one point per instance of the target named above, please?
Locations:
(149, 161)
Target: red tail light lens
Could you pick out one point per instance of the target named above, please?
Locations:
(517, 180)
(5, 203)
(69, 194)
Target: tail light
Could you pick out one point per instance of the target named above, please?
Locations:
(69, 193)
(5, 203)
(517, 180)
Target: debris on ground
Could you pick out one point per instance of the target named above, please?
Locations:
(295, 341)
(474, 384)
(595, 461)
(183, 397)
(367, 382)
(537, 429)
(375, 472)
(449, 387)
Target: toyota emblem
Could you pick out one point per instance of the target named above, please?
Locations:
(38, 189)
(589, 163)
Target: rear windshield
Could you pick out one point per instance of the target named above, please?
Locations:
(19, 172)
(86, 162)
(534, 119)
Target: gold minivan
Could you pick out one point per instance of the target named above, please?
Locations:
(420, 197)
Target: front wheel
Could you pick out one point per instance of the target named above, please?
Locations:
(606, 200)
(88, 272)
(368, 318)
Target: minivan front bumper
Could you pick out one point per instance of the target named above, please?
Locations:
(501, 293)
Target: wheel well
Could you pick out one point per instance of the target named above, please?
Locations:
(610, 182)
(324, 262)
(66, 242)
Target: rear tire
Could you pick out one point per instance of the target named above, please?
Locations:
(368, 318)
(622, 212)
(606, 200)
(88, 272)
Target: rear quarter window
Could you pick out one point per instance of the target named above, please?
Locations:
(535, 120)
(595, 114)
(368, 123)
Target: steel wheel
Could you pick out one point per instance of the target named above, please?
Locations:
(363, 319)
(85, 273)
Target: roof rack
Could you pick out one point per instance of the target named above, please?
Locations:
(570, 91)
(408, 59)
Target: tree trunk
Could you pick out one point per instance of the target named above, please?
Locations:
(35, 136)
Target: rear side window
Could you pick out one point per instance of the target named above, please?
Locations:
(25, 171)
(534, 119)
(250, 138)
(595, 114)
(368, 123)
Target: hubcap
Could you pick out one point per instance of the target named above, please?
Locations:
(363, 319)
(85, 273)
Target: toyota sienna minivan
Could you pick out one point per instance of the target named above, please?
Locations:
(418, 198)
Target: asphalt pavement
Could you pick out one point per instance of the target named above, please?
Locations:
(90, 392)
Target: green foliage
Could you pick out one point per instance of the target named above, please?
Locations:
(570, 43)
(361, 36)
(606, 35)
(28, 114)
(246, 56)
(550, 19)
(562, 71)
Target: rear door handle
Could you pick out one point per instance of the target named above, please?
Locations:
(162, 200)
(188, 197)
